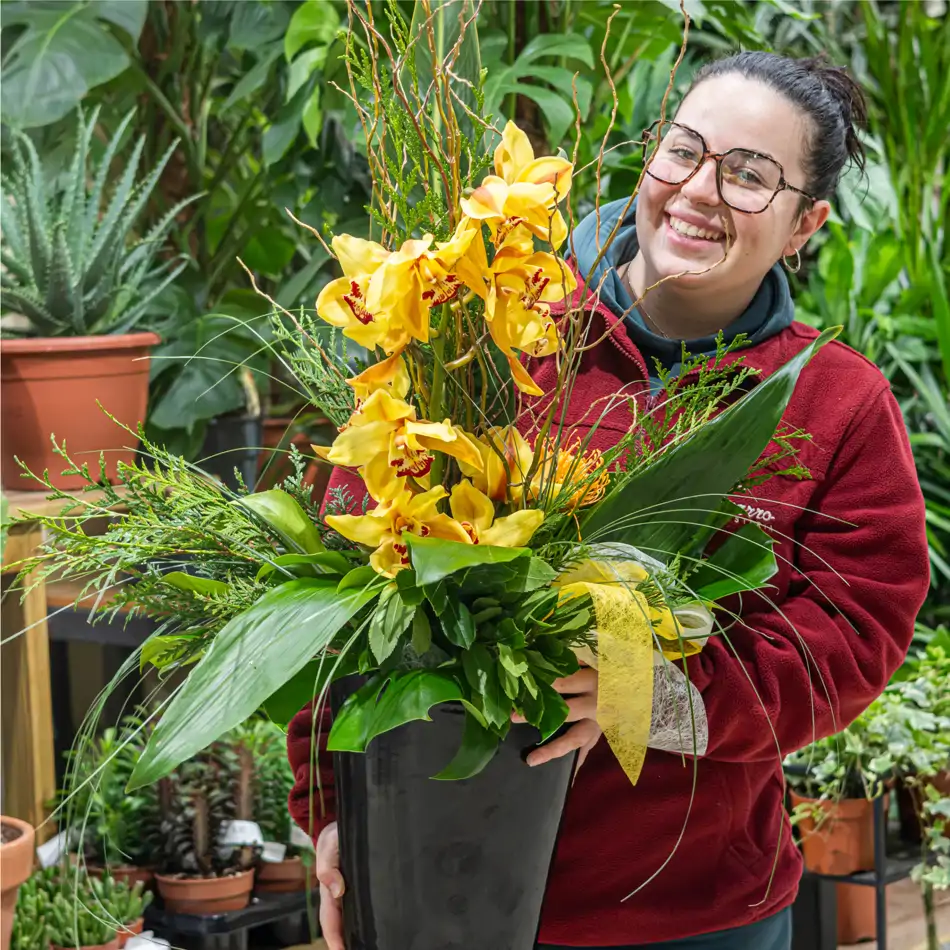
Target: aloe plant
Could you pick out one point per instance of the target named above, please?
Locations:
(71, 261)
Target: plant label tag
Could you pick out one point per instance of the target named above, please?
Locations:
(51, 852)
(299, 838)
(273, 852)
(145, 941)
(238, 833)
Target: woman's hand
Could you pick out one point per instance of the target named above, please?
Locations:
(331, 887)
(580, 690)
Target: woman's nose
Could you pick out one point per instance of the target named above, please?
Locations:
(702, 187)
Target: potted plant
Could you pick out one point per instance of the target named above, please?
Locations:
(31, 920)
(77, 286)
(76, 922)
(285, 866)
(119, 828)
(126, 904)
(16, 863)
(197, 802)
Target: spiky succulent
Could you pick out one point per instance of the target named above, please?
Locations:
(71, 262)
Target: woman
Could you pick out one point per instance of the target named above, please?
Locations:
(744, 174)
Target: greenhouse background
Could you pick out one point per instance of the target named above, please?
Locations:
(217, 140)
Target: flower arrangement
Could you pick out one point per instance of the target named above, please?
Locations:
(498, 547)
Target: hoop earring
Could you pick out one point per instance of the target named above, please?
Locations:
(798, 263)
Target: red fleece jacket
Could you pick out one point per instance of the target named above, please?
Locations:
(853, 572)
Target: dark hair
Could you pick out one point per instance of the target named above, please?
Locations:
(827, 94)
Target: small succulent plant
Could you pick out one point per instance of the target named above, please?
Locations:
(71, 263)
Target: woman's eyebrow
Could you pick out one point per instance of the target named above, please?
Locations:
(754, 151)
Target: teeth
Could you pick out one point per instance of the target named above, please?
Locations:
(690, 230)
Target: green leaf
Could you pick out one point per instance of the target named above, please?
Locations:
(745, 561)
(283, 514)
(315, 21)
(200, 585)
(519, 576)
(554, 712)
(306, 685)
(254, 23)
(302, 68)
(128, 15)
(60, 55)
(481, 671)
(438, 596)
(435, 559)
(421, 632)
(307, 565)
(457, 624)
(280, 135)
(360, 577)
(512, 660)
(569, 45)
(409, 697)
(352, 721)
(389, 622)
(712, 461)
(313, 117)
(478, 748)
(251, 657)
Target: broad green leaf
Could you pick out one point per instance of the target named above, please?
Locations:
(434, 559)
(457, 624)
(251, 657)
(280, 135)
(438, 596)
(255, 23)
(352, 721)
(390, 620)
(128, 15)
(254, 78)
(60, 55)
(315, 21)
(362, 576)
(710, 463)
(512, 660)
(421, 632)
(522, 575)
(284, 515)
(313, 117)
(570, 45)
(481, 671)
(409, 697)
(303, 67)
(307, 565)
(554, 712)
(478, 748)
(306, 685)
(200, 585)
(745, 561)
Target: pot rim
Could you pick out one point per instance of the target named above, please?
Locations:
(82, 344)
(13, 853)
(201, 879)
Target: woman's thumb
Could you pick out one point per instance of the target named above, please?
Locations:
(332, 880)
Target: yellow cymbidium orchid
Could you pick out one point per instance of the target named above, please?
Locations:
(506, 461)
(389, 374)
(386, 426)
(524, 191)
(383, 527)
(475, 512)
(518, 289)
(384, 297)
(574, 479)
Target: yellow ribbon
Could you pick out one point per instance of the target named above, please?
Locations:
(626, 625)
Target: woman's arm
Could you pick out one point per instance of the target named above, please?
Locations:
(782, 678)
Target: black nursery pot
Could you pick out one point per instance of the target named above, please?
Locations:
(232, 441)
(445, 865)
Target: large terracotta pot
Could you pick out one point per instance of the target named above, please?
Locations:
(857, 920)
(51, 385)
(281, 877)
(205, 895)
(16, 865)
(844, 841)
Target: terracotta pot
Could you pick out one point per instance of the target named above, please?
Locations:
(281, 877)
(844, 840)
(205, 895)
(51, 386)
(856, 913)
(113, 944)
(16, 865)
(128, 931)
(130, 874)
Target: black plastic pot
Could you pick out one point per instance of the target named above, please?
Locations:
(445, 865)
(232, 442)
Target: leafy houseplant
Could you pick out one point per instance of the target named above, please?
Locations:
(198, 875)
(31, 920)
(125, 904)
(504, 544)
(120, 829)
(73, 270)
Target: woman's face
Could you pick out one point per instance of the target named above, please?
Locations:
(729, 112)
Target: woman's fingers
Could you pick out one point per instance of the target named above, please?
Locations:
(583, 681)
(332, 886)
(583, 734)
(582, 707)
(331, 920)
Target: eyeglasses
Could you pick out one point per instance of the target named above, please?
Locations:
(747, 181)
